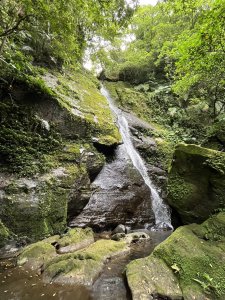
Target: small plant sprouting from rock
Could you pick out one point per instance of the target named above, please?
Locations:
(208, 284)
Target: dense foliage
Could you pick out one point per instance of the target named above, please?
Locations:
(54, 33)
(178, 43)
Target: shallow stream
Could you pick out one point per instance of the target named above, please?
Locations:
(16, 283)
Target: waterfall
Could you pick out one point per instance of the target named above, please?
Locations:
(160, 209)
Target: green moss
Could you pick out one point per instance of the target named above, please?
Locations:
(196, 182)
(25, 144)
(43, 210)
(126, 97)
(181, 190)
(151, 276)
(163, 154)
(213, 229)
(4, 234)
(217, 162)
(44, 250)
(36, 254)
(76, 235)
(83, 265)
(195, 150)
(38, 84)
(196, 261)
(79, 92)
(129, 98)
(192, 258)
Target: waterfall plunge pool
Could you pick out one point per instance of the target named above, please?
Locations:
(17, 283)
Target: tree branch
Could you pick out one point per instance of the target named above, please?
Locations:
(15, 27)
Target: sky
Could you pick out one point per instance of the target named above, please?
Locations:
(145, 2)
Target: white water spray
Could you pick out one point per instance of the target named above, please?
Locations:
(160, 209)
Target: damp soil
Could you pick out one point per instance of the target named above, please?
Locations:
(17, 283)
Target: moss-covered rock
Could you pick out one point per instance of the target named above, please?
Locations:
(4, 234)
(34, 255)
(47, 134)
(150, 277)
(196, 183)
(75, 239)
(82, 266)
(189, 264)
(38, 207)
(85, 112)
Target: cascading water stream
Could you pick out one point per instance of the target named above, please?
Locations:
(160, 209)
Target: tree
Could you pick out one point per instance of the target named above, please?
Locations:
(55, 32)
(200, 58)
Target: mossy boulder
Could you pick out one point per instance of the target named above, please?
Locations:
(75, 239)
(82, 266)
(196, 185)
(150, 278)
(36, 254)
(38, 207)
(190, 264)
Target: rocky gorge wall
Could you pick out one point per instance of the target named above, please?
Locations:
(57, 132)
(58, 145)
(48, 159)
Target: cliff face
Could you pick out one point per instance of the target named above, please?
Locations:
(57, 133)
(49, 127)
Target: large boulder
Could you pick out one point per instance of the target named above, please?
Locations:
(81, 265)
(37, 207)
(188, 265)
(119, 195)
(36, 254)
(196, 185)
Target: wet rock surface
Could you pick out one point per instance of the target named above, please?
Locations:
(50, 160)
(71, 259)
(133, 237)
(82, 266)
(34, 208)
(120, 229)
(35, 255)
(119, 195)
(187, 265)
(25, 282)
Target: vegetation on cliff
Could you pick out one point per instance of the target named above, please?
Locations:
(178, 44)
(166, 72)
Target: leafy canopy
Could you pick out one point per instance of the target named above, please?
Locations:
(55, 32)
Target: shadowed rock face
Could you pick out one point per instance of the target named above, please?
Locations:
(119, 195)
(196, 183)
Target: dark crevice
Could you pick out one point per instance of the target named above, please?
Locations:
(108, 151)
